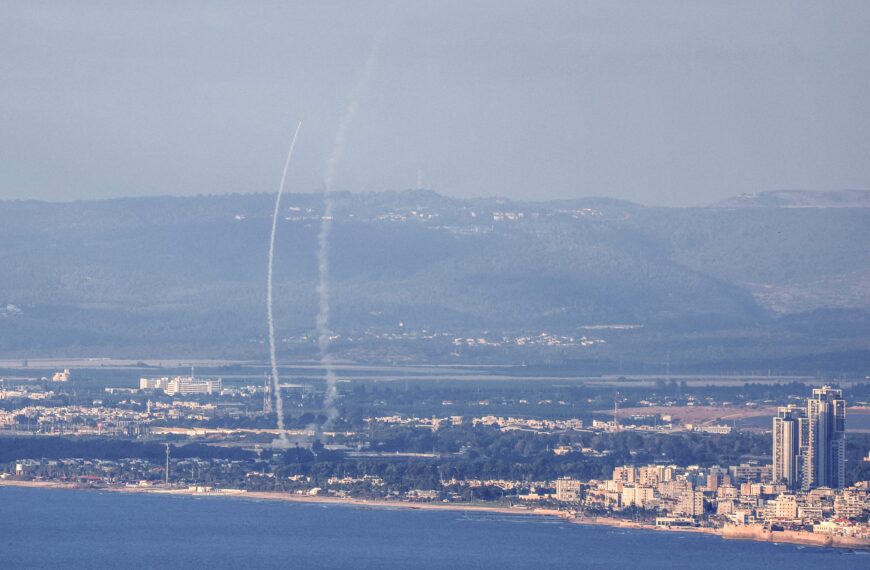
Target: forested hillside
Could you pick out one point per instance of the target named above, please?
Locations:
(749, 283)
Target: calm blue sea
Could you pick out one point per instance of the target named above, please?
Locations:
(48, 528)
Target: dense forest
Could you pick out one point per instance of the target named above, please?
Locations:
(13, 448)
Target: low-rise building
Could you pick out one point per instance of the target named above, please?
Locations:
(567, 490)
(181, 385)
(784, 507)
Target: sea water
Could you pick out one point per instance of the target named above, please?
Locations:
(55, 528)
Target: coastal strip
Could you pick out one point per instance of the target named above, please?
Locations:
(731, 532)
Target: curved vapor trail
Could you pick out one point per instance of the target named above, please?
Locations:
(276, 386)
(323, 332)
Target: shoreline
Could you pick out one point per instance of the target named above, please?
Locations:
(753, 533)
(294, 498)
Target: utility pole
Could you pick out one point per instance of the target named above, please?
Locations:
(166, 473)
(616, 411)
(267, 395)
(670, 377)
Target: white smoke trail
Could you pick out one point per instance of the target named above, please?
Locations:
(276, 385)
(323, 332)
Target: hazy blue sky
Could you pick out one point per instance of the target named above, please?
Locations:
(659, 102)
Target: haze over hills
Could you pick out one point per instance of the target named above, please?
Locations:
(779, 280)
(801, 199)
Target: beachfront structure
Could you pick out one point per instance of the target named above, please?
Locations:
(672, 522)
(567, 490)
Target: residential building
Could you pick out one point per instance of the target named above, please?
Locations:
(567, 490)
(790, 430)
(690, 503)
(784, 507)
(824, 462)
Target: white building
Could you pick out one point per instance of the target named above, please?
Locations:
(784, 507)
(153, 383)
(670, 522)
(638, 496)
(626, 473)
(690, 503)
(652, 475)
(61, 376)
(181, 385)
(850, 503)
(567, 490)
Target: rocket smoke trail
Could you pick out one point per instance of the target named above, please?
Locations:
(276, 385)
(323, 332)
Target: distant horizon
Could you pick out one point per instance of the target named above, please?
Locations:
(339, 192)
(671, 104)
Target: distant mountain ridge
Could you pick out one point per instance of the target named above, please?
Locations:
(800, 199)
(174, 276)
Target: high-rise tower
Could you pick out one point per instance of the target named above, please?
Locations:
(789, 445)
(809, 443)
(825, 458)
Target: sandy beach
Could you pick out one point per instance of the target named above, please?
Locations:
(296, 498)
